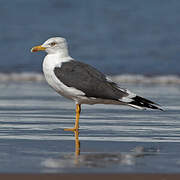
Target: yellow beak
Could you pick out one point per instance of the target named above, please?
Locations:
(38, 48)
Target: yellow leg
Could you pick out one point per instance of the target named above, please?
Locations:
(76, 127)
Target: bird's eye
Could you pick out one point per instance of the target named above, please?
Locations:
(52, 44)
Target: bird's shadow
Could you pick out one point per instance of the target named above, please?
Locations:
(97, 159)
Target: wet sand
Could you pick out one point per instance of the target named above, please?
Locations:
(90, 176)
(113, 139)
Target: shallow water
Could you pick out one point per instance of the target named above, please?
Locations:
(112, 138)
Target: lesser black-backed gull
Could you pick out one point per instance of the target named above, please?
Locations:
(83, 83)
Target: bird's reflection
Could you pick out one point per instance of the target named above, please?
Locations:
(77, 143)
(77, 147)
(97, 159)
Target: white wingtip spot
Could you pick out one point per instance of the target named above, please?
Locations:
(137, 107)
(128, 98)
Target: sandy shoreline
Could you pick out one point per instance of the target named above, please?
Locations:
(32, 139)
(90, 176)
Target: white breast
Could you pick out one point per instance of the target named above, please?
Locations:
(50, 62)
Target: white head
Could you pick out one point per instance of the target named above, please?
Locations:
(55, 45)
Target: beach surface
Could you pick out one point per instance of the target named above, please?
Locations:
(113, 139)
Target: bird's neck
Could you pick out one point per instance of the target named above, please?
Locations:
(57, 58)
(63, 53)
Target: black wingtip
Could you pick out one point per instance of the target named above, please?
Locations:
(161, 109)
(142, 102)
(158, 108)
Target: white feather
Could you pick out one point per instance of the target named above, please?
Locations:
(137, 107)
(128, 98)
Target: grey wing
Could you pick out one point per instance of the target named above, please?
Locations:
(89, 80)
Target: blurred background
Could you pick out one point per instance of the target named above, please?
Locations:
(117, 37)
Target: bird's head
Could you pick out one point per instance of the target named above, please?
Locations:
(52, 46)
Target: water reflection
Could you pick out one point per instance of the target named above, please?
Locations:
(77, 143)
(97, 159)
(77, 147)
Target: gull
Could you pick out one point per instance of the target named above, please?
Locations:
(83, 83)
